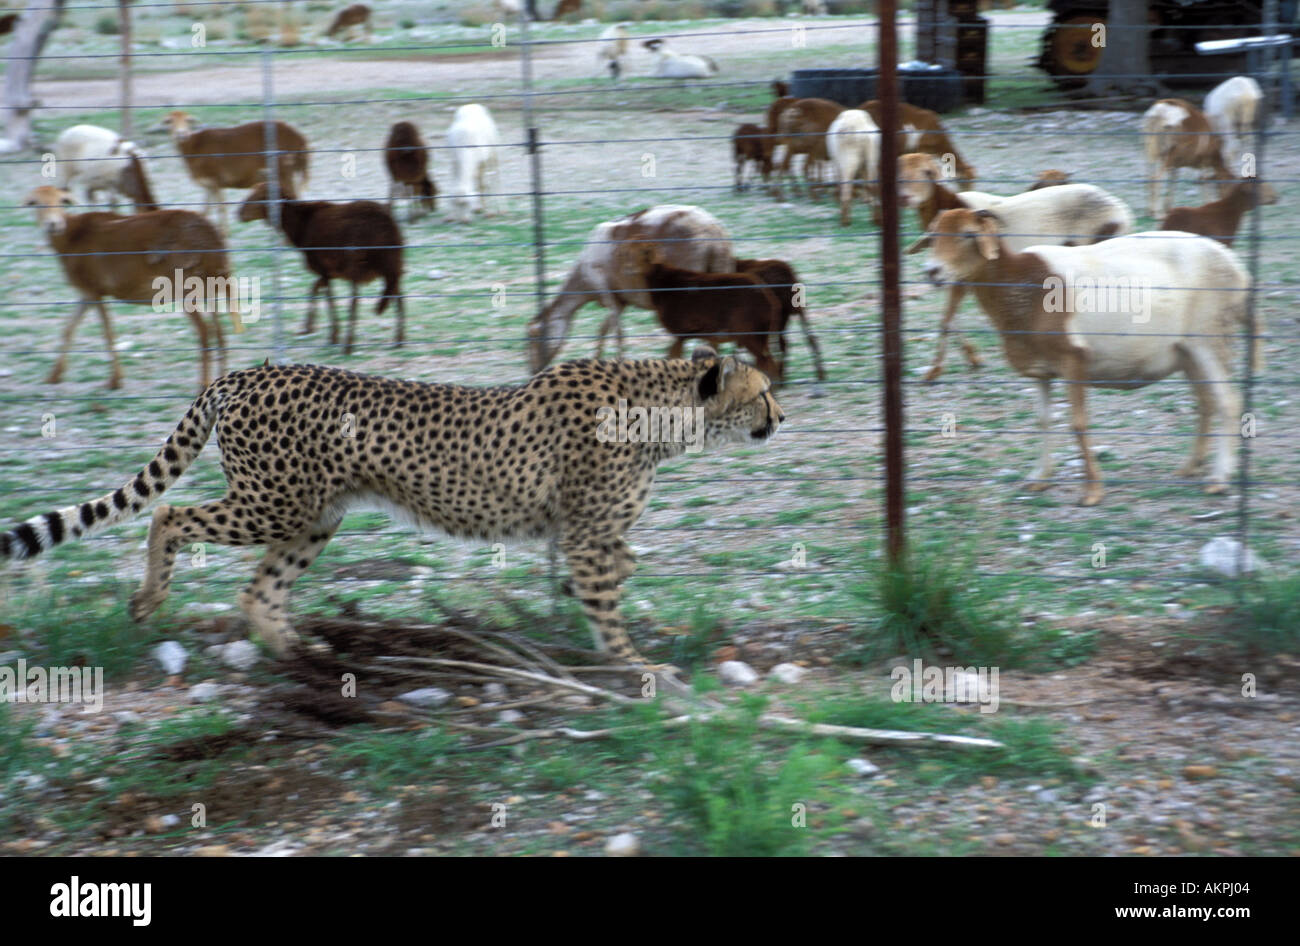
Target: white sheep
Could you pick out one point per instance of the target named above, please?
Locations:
(474, 142)
(611, 49)
(1233, 108)
(1065, 214)
(853, 143)
(100, 159)
(1119, 314)
(672, 65)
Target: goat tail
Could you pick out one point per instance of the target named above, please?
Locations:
(42, 533)
(392, 290)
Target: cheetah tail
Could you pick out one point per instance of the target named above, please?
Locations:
(41, 533)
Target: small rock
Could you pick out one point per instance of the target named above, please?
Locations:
(212, 850)
(1004, 840)
(204, 692)
(1224, 555)
(788, 673)
(863, 767)
(426, 696)
(494, 691)
(623, 845)
(240, 655)
(737, 673)
(1195, 772)
(171, 656)
(510, 716)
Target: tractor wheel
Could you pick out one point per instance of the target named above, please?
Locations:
(1068, 49)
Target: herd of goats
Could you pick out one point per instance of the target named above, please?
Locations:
(677, 260)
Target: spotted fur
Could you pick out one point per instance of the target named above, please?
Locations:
(301, 444)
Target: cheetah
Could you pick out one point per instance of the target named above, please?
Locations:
(302, 444)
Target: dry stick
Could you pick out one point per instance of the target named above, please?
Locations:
(520, 674)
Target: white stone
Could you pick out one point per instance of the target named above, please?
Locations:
(204, 692)
(862, 767)
(626, 844)
(240, 655)
(1222, 554)
(788, 673)
(171, 656)
(737, 673)
(427, 696)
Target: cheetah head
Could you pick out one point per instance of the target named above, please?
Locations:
(737, 399)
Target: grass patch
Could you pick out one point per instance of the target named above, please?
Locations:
(1269, 615)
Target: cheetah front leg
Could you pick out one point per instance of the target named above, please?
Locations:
(596, 568)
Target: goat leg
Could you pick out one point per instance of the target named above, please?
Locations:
(220, 336)
(816, 350)
(69, 329)
(201, 329)
(352, 319)
(401, 323)
(115, 379)
(1039, 479)
(1076, 373)
(334, 314)
(955, 295)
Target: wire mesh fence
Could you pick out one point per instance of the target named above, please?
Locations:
(786, 533)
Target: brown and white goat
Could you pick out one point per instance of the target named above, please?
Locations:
(921, 131)
(751, 144)
(1068, 214)
(801, 129)
(100, 159)
(218, 158)
(1219, 219)
(1122, 314)
(713, 307)
(408, 170)
(348, 19)
(1178, 135)
(125, 257)
(357, 241)
(687, 236)
(780, 277)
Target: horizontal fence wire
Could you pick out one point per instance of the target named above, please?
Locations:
(712, 517)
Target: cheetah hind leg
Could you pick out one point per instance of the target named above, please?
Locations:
(624, 565)
(266, 600)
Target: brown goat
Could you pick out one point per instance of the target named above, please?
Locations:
(801, 127)
(716, 307)
(1221, 218)
(1178, 135)
(923, 132)
(357, 241)
(358, 14)
(751, 143)
(408, 170)
(217, 158)
(124, 257)
(780, 277)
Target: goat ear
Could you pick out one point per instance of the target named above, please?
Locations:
(986, 240)
(922, 243)
(703, 352)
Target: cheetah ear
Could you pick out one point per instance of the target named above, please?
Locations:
(702, 352)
